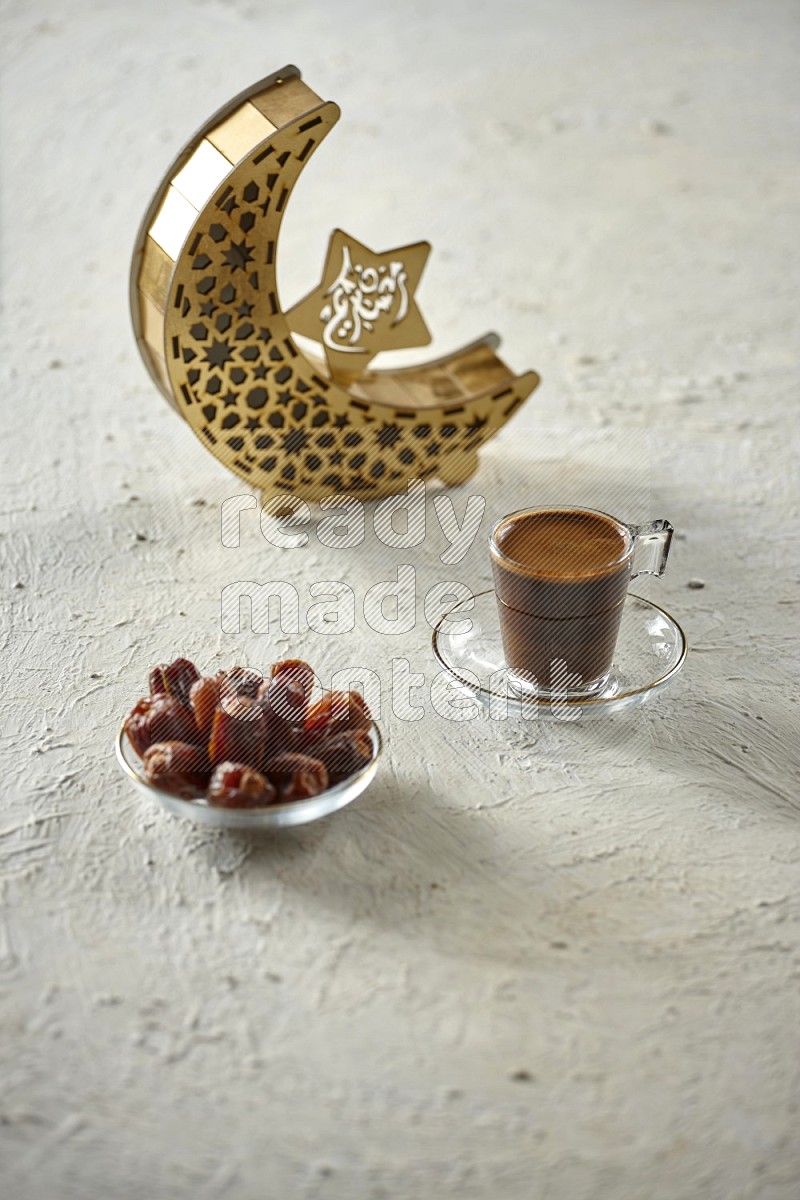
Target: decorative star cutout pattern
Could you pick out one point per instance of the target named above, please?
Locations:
(238, 255)
(364, 304)
(218, 354)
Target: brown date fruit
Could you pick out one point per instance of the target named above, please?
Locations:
(336, 712)
(156, 681)
(294, 671)
(296, 776)
(137, 725)
(174, 679)
(234, 785)
(287, 691)
(159, 719)
(177, 767)
(240, 681)
(284, 698)
(203, 701)
(240, 738)
(180, 675)
(344, 754)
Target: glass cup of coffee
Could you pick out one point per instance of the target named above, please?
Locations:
(561, 575)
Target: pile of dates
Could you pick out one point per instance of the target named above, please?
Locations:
(241, 740)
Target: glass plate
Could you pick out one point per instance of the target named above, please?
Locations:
(651, 649)
(276, 816)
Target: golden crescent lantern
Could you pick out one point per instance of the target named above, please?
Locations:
(213, 335)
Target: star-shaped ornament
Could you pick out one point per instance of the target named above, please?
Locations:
(364, 304)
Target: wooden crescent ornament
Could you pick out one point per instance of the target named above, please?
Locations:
(212, 333)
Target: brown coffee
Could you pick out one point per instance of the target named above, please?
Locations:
(561, 576)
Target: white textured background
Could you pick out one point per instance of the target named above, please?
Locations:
(558, 965)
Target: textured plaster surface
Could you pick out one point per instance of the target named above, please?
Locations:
(556, 962)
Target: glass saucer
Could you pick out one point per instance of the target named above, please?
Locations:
(275, 816)
(650, 652)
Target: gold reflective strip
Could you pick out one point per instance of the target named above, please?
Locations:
(175, 218)
(152, 323)
(201, 174)
(240, 133)
(284, 101)
(155, 272)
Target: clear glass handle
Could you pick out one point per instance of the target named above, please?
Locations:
(650, 547)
